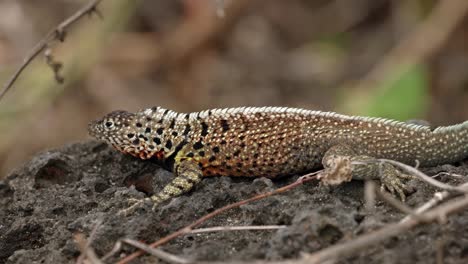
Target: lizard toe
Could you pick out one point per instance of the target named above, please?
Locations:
(389, 187)
(399, 187)
(135, 205)
(405, 176)
(394, 179)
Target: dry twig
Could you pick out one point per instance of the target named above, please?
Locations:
(58, 33)
(339, 251)
(444, 173)
(353, 246)
(114, 250)
(450, 191)
(86, 251)
(170, 258)
(201, 220)
(369, 195)
(424, 177)
(438, 198)
(236, 228)
(416, 217)
(440, 251)
(396, 203)
(85, 245)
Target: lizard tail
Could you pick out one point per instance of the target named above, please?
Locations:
(450, 143)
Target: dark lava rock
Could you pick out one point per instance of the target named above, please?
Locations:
(62, 192)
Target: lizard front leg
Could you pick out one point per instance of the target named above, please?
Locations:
(367, 168)
(187, 174)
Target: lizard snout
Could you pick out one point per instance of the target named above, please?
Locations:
(93, 128)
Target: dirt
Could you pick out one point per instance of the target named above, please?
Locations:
(62, 192)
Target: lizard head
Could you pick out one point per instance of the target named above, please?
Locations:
(117, 128)
(147, 134)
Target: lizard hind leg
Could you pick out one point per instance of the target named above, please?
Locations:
(188, 174)
(362, 167)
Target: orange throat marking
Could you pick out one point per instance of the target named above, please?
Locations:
(159, 155)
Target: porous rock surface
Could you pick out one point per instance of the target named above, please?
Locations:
(62, 192)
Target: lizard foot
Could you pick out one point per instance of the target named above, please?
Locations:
(135, 205)
(393, 180)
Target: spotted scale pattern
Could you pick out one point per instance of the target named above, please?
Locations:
(272, 141)
(275, 141)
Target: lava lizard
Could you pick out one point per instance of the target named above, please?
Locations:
(275, 141)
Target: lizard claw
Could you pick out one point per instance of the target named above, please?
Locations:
(391, 179)
(135, 205)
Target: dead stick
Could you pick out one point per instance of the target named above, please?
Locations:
(58, 33)
(236, 228)
(438, 198)
(355, 245)
(424, 177)
(198, 222)
(167, 257)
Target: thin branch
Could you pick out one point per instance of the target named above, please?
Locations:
(396, 203)
(369, 195)
(344, 249)
(440, 251)
(86, 251)
(370, 192)
(236, 228)
(438, 198)
(203, 219)
(444, 173)
(337, 252)
(58, 33)
(85, 245)
(356, 245)
(92, 234)
(114, 250)
(424, 177)
(170, 258)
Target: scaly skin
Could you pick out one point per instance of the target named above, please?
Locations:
(275, 141)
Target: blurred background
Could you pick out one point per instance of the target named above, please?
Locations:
(390, 58)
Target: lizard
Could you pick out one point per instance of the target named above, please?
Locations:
(275, 141)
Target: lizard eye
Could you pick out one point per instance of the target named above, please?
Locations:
(109, 124)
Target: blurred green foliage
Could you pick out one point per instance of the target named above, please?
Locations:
(402, 98)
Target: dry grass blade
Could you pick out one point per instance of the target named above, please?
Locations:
(397, 204)
(236, 228)
(170, 258)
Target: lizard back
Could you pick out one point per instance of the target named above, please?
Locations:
(273, 141)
